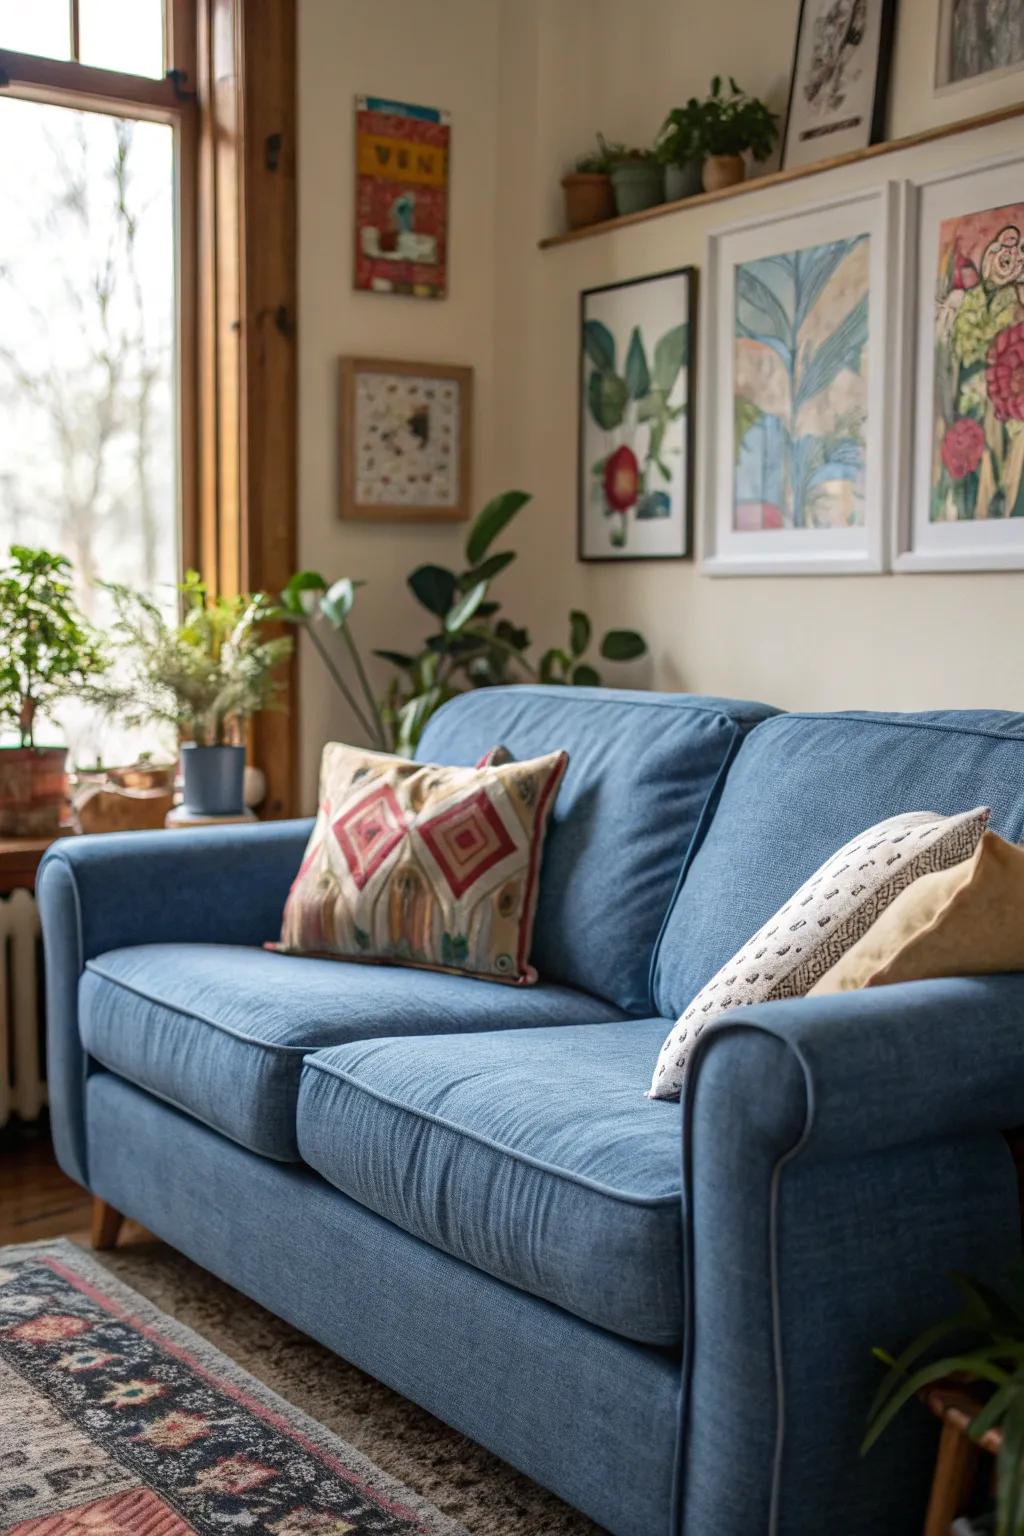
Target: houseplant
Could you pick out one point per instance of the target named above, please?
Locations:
(988, 1333)
(679, 148)
(638, 180)
(48, 650)
(733, 124)
(588, 188)
(204, 676)
(471, 644)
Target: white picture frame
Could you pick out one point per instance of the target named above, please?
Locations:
(987, 67)
(961, 213)
(850, 493)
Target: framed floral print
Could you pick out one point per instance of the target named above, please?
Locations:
(800, 323)
(635, 418)
(965, 263)
(840, 80)
(406, 439)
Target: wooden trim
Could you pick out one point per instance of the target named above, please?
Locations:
(349, 508)
(782, 178)
(76, 30)
(68, 83)
(267, 409)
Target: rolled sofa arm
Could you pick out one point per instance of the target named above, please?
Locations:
(219, 885)
(842, 1155)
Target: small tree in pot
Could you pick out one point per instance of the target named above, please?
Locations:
(48, 651)
(205, 677)
(732, 125)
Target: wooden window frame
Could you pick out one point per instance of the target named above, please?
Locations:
(229, 93)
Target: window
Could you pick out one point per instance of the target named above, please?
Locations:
(94, 282)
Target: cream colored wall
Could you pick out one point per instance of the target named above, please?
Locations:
(527, 81)
(439, 53)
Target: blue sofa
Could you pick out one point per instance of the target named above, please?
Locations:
(664, 1313)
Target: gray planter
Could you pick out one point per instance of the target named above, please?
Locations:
(214, 780)
(682, 180)
(637, 184)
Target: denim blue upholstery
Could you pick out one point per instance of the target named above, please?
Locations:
(583, 1412)
(836, 1157)
(801, 786)
(643, 770)
(220, 1030)
(535, 1158)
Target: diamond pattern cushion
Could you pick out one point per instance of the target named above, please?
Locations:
(421, 865)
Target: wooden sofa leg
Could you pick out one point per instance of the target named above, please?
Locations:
(106, 1224)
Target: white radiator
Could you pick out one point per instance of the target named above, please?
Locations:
(22, 1091)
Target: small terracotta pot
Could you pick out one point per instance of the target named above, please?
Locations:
(33, 791)
(588, 198)
(723, 171)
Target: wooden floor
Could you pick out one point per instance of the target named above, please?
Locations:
(37, 1201)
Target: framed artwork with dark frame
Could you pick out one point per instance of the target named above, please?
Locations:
(635, 440)
(840, 80)
(406, 437)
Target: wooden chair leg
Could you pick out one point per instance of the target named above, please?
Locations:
(954, 1477)
(106, 1224)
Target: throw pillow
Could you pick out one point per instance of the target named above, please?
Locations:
(965, 921)
(415, 864)
(824, 919)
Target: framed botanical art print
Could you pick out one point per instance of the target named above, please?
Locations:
(799, 323)
(978, 38)
(635, 418)
(965, 275)
(840, 80)
(406, 440)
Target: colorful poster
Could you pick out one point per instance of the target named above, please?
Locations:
(401, 198)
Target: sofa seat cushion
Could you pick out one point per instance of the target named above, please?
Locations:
(535, 1158)
(220, 1031)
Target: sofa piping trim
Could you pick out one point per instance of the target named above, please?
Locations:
(191, 1114)
(195, 1015)
(52, 861)
(684, 705)
(645, 1201)
(896, 722)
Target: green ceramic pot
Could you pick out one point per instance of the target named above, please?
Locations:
(637, 184)
(682, 180)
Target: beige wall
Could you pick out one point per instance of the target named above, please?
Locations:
(527, 81)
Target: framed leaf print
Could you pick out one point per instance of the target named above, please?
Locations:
(635, 418)
(965, 265)
(800, 320)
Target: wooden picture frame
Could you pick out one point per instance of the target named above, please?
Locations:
(827, 114)
(639, 337)
(406, 441)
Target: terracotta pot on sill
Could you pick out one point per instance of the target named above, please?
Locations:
(33, 791)
(588, 198)
(723, 171)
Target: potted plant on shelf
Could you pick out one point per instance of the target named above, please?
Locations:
(48, 650)
(472, 644)
(204, 677)
(679, 148)
(638, 180)
(733, 124)
(588, 187)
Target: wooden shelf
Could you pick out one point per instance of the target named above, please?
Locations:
(781, 178)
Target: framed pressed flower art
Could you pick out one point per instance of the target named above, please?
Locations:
(801, 325)
(635, 418)
(965, 263)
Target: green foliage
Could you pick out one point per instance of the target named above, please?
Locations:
(988, 1332)
(48, 649)
(731, 122)
(600, 161)
(204, 676)
(471, 644)
(680, 137)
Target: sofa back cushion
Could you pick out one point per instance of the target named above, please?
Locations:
(803, 785)
(643, 771)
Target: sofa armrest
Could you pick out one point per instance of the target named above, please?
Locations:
(842, 1155)
(222, 885)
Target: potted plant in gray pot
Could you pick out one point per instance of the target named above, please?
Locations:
(48, 651)
(204, 677)
(679, 148)
(638, 180)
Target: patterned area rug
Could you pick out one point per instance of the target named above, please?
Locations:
(116, 1420)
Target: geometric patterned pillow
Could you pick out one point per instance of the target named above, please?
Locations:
(415, 864)
(820, 922)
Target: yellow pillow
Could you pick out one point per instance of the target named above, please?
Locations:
(964, 921)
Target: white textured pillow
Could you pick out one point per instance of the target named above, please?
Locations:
(825, 918)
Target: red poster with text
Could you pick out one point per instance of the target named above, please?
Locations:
(401, 198)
